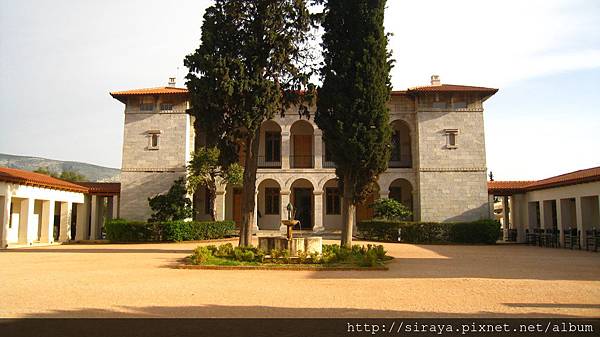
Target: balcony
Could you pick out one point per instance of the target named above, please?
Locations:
(297, 161)
(328, 164)
(401, 161)
(267, 162)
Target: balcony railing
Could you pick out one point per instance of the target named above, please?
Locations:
(402, 161)
(302, 161)
(264, 162)
(328, 164)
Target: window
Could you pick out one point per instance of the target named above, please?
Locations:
(451, 138)
(459, 105)
(272, 147)
(154, 139)
(147, 107)
(439, 105)
(166, 107)
(332, 201)
(272, 205)
(147, 104)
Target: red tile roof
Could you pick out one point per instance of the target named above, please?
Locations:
(16, 176)
(102, 188)
(452, 88)
(571, 178)
(150, 91)
(507, 187)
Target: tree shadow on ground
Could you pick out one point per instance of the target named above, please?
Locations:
(252, 311)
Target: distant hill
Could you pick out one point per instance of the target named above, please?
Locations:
(91, 172)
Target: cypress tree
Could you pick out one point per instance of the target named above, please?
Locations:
(351, 104)
(249, 66)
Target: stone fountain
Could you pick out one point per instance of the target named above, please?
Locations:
(295, 245)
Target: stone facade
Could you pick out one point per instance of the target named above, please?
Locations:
(438, 169)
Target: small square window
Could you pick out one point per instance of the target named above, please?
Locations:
(154, 139)
(451, 135)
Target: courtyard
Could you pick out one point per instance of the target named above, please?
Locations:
(423, 281)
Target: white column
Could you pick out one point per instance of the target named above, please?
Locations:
(81, 233)
(285, 200)
(220, 206)
(47, 235)
(94, 218)
(318, 156)
(255, 217)
(318, 202)
(384, 194)
(5, 218)
(66, 209)
(285, 149)
(505, 213)
(26, 219)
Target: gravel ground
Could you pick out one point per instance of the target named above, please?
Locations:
(423, 281)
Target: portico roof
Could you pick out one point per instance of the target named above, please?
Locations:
(571, 178)
(22, 177)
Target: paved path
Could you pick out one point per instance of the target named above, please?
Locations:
(446, 281)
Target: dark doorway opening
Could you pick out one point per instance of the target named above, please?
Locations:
(303, 206)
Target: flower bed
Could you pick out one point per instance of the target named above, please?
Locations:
(333, 257)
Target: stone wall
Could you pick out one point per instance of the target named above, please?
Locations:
(137, 187)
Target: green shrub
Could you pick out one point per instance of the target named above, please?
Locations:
(201, 255)
(482, 231)
(390, 209)
(225, 250)
(120, 230)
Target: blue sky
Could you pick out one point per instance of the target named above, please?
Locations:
(60, 59)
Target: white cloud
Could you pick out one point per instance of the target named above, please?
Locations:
(491, 43)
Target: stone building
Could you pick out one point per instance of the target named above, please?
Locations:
(437, 168)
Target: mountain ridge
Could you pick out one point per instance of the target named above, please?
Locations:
(91, 172)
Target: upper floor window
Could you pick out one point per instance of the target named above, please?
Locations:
(147, 107)
(332, 201)
(166, 107)
(272, 146)
(154, 139)
(451, 135)
(272, 201)
(439, 105)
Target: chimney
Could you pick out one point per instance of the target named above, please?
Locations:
(172, 82)
(435, 80)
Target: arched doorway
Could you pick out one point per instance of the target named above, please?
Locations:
(401, 191)
(302, 199)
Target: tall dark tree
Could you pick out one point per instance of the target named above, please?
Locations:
(351, 104)
(250, 65)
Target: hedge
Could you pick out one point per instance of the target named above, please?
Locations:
(481, 231)
(120, 230)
